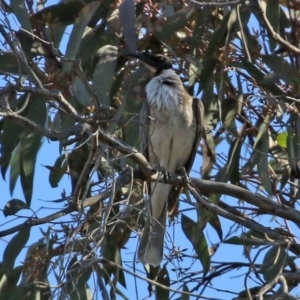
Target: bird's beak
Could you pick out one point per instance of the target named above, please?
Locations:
(145, 58)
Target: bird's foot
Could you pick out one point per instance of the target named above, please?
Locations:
(164, 175)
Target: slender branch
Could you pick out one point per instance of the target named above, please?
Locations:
(271, 30)
(121, 180)
(225, 3)
(153, 282)
(57, 95)
(77, 130)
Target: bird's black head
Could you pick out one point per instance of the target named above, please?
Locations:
(155, 62)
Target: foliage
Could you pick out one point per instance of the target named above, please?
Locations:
(241, 58)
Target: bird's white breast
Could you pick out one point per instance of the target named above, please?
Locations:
(165, 92)
(171, 130)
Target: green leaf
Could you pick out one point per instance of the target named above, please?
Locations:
(198, 240)
(8, 63)
(260, 77)
(11, 136)
(108, 251)
(58, 170)
(64, 12)
(8, 283)
(215, 223)
(80, 92)
(90, 43)
(101, 284)
(252, 291)
(80, 24)
(229, 110)
(21, 12)
(205, 216)
(272, 13)
(216, 42)
(262, 164)
(164, 279)
(13, 249)
(77, 279)
(259, 155)
(13, 206)
(54, 33)
(104, 72)
(283, 70)
(120, 273)
(282, 139)
(232, 167)
(185, 289)
(127, 18)
(132, 105)
(14, 168)
(292, 148)
(30, 144)
(175, 22)
(274, 262)
(250, 238)
(234, 240)
(284, 19)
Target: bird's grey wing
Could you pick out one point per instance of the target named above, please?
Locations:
(198, 111)
(144, 129)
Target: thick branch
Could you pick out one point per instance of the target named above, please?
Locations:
(262, 202)
(242, 220)
(205, 186)
(136, 156)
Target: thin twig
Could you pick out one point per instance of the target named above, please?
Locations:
(223, 3)
(271, 30)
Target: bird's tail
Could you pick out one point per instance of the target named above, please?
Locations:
(151, 245)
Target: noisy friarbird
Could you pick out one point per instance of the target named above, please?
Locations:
(171, 125)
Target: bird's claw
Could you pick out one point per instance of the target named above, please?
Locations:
(165, 175)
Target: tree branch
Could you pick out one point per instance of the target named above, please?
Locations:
(78, 130)
(271, 30)
(205, 186)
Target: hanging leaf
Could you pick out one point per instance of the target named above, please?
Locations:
(13, 249)
(30, 144)
(198, 240)
(274, 262)
(175, 22)
(13, 206)
(104, 73)
(82, 21)
(21, 12)
(57, 171)
(127, 18)
(164, 279)
(272, 13)
(184, 296)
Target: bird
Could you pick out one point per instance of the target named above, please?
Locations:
(171, 126)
